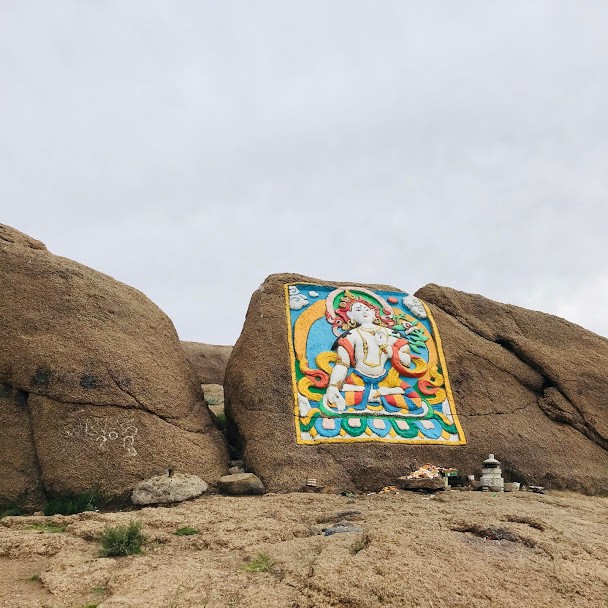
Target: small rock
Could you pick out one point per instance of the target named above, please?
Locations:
(241, 483)
(340, 528)
(237, 463)
(236, 470)
(164, 489)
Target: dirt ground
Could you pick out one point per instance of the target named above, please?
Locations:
(451, 549)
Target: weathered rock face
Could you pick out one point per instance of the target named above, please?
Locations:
(208, 361)
(530, 388)
(527, 387)
(95, 388)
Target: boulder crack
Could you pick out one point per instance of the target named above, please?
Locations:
(126, 391)
(34, 446)
(140, 404)
(576, 421)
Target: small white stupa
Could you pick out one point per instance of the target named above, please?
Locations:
(491, 475)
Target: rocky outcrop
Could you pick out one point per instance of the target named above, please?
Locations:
(527, 387)
(535, 378)
(95, 389)
(208, 361)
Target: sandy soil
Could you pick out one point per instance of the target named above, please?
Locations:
(454, 549)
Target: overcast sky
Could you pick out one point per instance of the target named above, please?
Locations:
(191, 148)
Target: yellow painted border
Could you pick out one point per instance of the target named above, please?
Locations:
(296, 410)
(292, 363)
(444, 369)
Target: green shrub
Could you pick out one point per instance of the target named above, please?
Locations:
(71, 503)
(260, 563)
(122, 540)
(8, 510)
(186, 531)
(220, 421)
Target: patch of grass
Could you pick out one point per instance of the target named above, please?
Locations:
(8, 510)
(48, 527)
(122, 540)
(214, 399)
(186, 531)
(360, 544)
(260, 563)
(220, 419)
(72, 503)
(90, 606)
(33, 578)
(100, 590)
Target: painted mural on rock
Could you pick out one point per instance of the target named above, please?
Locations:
(367, 366)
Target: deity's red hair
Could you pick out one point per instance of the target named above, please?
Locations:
(343, 321)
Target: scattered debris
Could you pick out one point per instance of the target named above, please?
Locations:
(427, 478)
(388, 490)
(426, 471)
(537, 489)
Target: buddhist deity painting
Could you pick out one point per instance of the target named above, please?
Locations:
(367, 366)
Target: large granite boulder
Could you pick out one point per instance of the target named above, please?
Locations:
(530, 386)
(95, 389)
(525, 385)
(208, 361)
